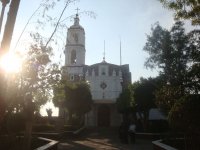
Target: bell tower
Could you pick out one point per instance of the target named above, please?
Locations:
(75, 44)
(75, 51)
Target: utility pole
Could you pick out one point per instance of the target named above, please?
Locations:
(9, 27)
(4, 3)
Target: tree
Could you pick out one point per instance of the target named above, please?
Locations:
(144, 96)
(78, 98)
(181, 76)
(184, 9)
(169, 52)
(177, 55)
(28, 89)
(125, 101)
(167, 96)
(193, 74)
(184, 116)
(75, 97)
(59, 93)
(2, 97)
(33, 77)
(9, 27)
(34, 86)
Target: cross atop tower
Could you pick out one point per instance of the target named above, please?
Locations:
(77, 9)
(76, 19)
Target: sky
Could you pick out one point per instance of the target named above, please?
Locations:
(128, 20)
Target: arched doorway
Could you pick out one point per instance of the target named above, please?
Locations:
(103, 116)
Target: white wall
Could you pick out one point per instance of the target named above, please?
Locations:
(112, 90)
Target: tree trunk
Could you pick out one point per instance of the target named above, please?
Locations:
(9, 27)
(2, 14)
(29, 112)
(69, 117)
(4, 3)
(146, 114)
(60, 121)
(27, 135)
(141, 115)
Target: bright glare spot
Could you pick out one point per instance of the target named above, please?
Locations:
(47, 106)
(11, 63)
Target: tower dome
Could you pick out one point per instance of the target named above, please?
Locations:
(76, 23)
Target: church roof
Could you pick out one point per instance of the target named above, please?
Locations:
(111, 68)
(124, 69)
(104, 63)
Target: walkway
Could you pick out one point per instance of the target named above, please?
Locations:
(102, 139)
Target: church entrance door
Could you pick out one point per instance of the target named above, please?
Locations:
(103, 117)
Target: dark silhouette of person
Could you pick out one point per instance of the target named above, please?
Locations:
(131, 131)
(124, 131)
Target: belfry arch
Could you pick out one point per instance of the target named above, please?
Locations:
(73, 57)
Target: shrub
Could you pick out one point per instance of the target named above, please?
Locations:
(43, 127)
(71, 127)
(158, 126)
(185, 115)
(15, 122)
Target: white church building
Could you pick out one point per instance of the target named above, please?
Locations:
(106, 80)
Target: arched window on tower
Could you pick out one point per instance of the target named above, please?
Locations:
(73, 57)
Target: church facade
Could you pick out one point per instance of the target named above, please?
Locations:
(106, 80)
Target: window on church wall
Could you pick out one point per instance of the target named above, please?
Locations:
(71, 77)
(103, 71)
(73, 57)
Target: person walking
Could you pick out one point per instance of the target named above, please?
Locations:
(131, 131)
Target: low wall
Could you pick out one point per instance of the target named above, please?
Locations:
(157, 145)
(150, 136)
(51, 145)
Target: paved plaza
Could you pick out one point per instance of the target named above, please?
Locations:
(102, 139)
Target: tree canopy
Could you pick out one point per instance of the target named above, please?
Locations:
(184, 9)
(125, 101)
(184, 115)
(168, 51)
(75, 97)
(78, 98)
(33, 78)
(193, 74)
(176, 54)
(144, 94)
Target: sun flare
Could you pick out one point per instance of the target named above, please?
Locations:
(11, 63)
